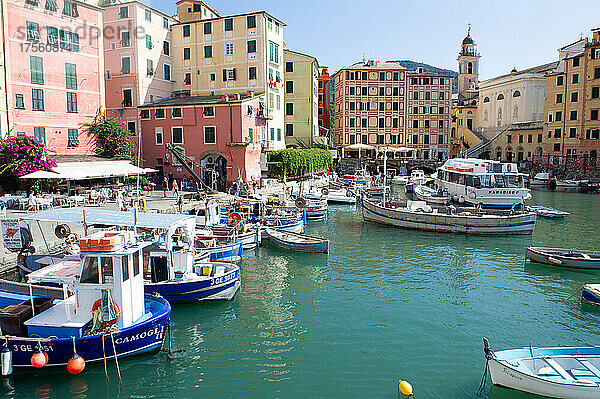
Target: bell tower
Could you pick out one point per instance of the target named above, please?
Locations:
(468, 65)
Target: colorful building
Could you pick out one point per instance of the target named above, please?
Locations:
(590, 137)
(324, 103)
(137, 59)
(216, 55)
(219, 135)
(301, 101)
(54, 81)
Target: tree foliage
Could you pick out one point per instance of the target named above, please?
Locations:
(113, 139)
(296, 161)
(21, 155)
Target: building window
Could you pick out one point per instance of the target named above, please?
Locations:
(229, 74)
(229, 24)
(575, 78)
(33, 31)
(270, 23)
(289, 87)
(165, 23)
(19, 101)
(559, 98)
(176, 112)
(539, 140)
(558, 116)
(207, 52)
(37, 99)
(52, 34)
(556, 147)
(127, 98)
(289, 129)
(167, 72)
(352, 122)
(364, 91)
(158, 135)
(71, 101)
(530, 138)
(289, 108)
(209, 135)
(186, 52)
(228, 48)
(273, 52)
(382, 76)
(396, 76)
(149, 42)
(36, 66)
(381, 123)
(125, 65)
(289, 67)
(212, 77)
(208, 28)
(415, 123)
(278, 134)
(250, 135)
(208, 111)
(39, 133)
(557, 133)
(573, 132)
(573, 116)
(486, 100)
(395, 123)
(251, 21)
(186, 30)
(123, 12)
(178, 135)
(72, 138)
(395, 106)
(69, 40)
(251, 46)
(576, 61)
(149, 68)
(187, 78)
(381, 106)
(148, 15)
(124, 39)
(594, 115)
(252, 73)
(574, 97)
(145, 114)
(352, 139)
(559, 80)
(427, 123)
(159, 113)
(597, 73)
(70, 76)
(596, 92)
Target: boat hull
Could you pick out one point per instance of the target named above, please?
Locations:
(590, 293)
(229, 252)
(145, 336)
(322, 247)
(540, 255)
(213, 288)
(445, 223)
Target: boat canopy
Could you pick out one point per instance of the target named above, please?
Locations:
(164, 221)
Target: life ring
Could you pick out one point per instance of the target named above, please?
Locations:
(234, 218)
(325, 191)
(142, 205)
(104, 324)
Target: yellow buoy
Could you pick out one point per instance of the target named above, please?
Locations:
(405, 388)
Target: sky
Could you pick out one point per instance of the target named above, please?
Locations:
(508, 33)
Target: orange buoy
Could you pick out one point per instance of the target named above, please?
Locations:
(39, 359)
(76, 364)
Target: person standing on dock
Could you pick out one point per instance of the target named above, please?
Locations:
(175, 188)
(165, 186)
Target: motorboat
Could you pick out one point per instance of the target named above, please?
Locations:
(540, 179)
(418, 215)
(431, 195)
(297, 242)
(483, 183)
(559, 372)
(549, 212)
(417, 177)
(563, 257)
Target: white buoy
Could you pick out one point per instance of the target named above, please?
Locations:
(7, 362)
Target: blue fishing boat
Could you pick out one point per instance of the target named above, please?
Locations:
(562, 372)
(107, 316)
(219, 251)
(297, 242)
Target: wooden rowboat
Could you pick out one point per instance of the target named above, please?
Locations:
(564, 372)
(571, 258)
(297, 242)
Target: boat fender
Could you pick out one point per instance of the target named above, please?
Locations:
(76, 363)
(455, 198)
(554, 260)
(39, 358)
(6, 360)
(461, 200)
(405, 388)
(472, 195)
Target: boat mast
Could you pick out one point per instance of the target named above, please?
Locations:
(384, 172)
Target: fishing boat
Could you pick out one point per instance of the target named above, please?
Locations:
(316, 209)
(107, 316)
(483, 183)
(570, 258)
(297, 242)
(590, 293)
(549, 212)
(338, 196)
(418, 215)
(223, 251)
(562, 372)
(428, 194)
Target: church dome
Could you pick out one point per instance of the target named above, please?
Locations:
(468, 40)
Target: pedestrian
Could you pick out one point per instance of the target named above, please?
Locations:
(175, 188)
(119, 198)
(165, 186)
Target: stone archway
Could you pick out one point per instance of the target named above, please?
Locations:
(214, 170)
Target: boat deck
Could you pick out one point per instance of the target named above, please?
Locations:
(563, 369)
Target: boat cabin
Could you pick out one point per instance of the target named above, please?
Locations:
(105, 278)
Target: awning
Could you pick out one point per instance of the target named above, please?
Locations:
(88, 170)
(396, 149)
(359, 146)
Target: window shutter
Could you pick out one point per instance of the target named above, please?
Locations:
(224, 75)
(234, 74)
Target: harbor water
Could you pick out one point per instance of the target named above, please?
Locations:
(386, 304)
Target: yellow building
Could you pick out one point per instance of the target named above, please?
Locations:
(590, 143)
(230, 55)
(464, 115)
(301, 100)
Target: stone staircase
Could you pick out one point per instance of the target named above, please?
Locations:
(486, 136)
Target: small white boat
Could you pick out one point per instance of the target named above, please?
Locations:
(564, 372)
(570, 258)
(417, 177)
(338, 196)
(549, 212)
(430, 195)
(297, 242)
(541, 179)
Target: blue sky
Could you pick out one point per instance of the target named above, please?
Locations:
(508, 33)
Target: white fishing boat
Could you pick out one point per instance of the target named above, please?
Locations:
(483, 183)
(549, 212)
(563, 372)
(418, 215)
(564, 257)
(417, 177)
(338, 196)
(297, 242)
(431, 195)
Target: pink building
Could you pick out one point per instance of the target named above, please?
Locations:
(54, 75)
(219, 135)
(137, 59)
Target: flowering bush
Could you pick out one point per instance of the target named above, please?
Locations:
(113, 140)
(20, 155)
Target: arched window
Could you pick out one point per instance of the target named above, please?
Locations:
(500, 97)
(517, 93)
(486, 100)
(470, 68)
(453, 132)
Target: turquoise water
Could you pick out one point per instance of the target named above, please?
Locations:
(387, 304)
